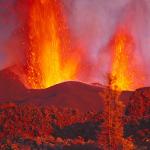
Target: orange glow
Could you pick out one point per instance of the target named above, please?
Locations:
(50, 58)
(125, 70)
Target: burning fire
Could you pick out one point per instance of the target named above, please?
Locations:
(50, 58)
(126, 71)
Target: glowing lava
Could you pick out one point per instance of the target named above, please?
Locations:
(126, 70)
(50, 58)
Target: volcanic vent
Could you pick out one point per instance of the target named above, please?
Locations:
(49, 58)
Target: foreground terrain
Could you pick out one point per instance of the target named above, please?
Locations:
(29, 126)
(67, 116)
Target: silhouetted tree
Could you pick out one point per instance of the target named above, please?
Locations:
(111, 136)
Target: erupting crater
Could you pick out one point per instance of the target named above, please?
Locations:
(50, 58)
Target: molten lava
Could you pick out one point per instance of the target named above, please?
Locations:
(126, 70)
(50, 58)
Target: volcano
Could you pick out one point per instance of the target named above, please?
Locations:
(74, 109)
(55, 50)
(73, 94)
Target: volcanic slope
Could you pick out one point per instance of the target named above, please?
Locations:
(73, 94)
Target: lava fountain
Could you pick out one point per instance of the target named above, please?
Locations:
(50, 58)
(126, 69)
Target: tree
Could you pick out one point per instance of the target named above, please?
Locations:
(112, 136)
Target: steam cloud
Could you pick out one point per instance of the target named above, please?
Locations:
(92, 25)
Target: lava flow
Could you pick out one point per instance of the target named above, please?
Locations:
(126, 70)
(49, 58)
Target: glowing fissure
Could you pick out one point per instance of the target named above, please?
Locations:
(50, 59)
